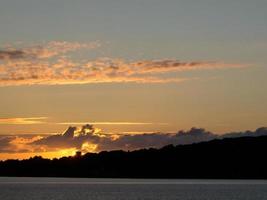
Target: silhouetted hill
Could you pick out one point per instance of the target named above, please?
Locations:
(228, 158)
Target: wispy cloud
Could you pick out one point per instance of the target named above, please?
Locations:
(42, 120)
(48, 64)
(23, 120)
(111, 123)
(44, 51)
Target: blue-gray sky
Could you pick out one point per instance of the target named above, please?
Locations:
(204, 29)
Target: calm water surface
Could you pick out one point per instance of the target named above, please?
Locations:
(130, 189)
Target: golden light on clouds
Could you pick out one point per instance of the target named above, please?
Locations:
(63, 152)
(89, 139)
(23, 120)
(89, 147)
(111, 123)
(139, 79)
(42, 120)
(46, 154)
(50, 64)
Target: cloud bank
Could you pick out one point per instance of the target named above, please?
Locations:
(90, 139)
(51, 64)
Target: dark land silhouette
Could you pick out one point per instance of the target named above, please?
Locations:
(229, 158)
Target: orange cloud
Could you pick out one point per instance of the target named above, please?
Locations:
(111, 123)
(45, 50)
(33, 65)
(45, 154)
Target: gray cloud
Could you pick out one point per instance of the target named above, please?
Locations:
(18, 144)
(11, 54)
(71, 138)
(5, 143)
(43, 51)
(74, 138)
(258, 132)
(87, 138)
(157, 140)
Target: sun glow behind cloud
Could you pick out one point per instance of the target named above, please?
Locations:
(54, 63)
(46, 154)
(89, 139)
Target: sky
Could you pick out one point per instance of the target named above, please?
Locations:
(129, 67)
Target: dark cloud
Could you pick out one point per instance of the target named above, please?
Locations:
(131, 142)
(87, 138)
(11, 54)
(71, 138)
(87, 134)
(5, 143)
(19, 144)
(258, 132)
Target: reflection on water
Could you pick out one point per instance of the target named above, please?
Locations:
(130, 189)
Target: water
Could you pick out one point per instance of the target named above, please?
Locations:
(130, 189)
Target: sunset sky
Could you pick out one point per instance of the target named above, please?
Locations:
(128, 67)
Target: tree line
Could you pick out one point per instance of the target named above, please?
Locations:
(230, 158)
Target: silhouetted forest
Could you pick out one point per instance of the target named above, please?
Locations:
(227, 158)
